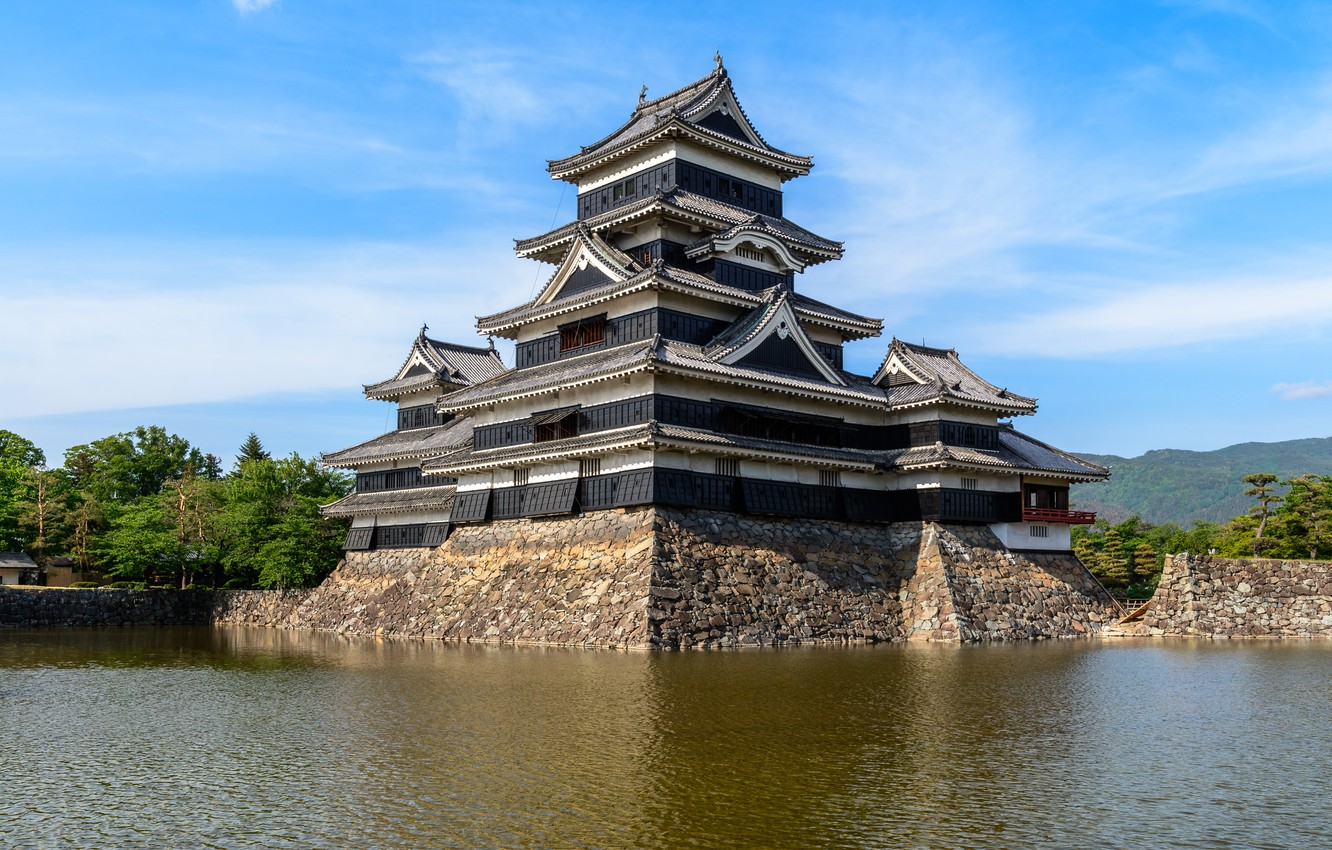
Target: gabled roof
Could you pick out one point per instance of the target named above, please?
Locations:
(706, 111)
(668, 278)
(773, 317)
(434, 364)
(16, 560)
(690, 208)
(588, 248)
(650, 434)
(403, 445)
(915, 375)
(1017, 454)
(660, 355)
(393, 501)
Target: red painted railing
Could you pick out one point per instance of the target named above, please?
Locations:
(1058, 515)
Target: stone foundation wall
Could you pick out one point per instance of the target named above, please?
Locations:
(560, 581)
(42, 606)
(1221, 597)
(660, 577)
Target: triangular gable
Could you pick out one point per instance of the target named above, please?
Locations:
(773, 336)
(896, 371)
(721, 113)
(589, 262)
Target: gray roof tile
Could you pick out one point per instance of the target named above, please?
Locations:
(393, 501)
(396, 445)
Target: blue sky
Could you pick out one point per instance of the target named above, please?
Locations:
(226, 215)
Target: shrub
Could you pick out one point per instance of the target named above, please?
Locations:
(237, 584)
(84, 584)
(122, 585)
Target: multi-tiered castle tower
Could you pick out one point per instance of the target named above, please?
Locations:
(672, 360)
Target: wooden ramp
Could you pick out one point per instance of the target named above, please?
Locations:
(1136, 613)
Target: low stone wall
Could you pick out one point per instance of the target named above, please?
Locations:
(665, 578)
(1221, 597)
(43, 606)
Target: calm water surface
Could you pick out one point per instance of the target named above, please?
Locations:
(257, 738)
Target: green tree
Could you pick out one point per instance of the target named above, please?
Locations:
(1261, 489)
(120, 468)
(141, 543)
(41, 500)
(271, 531)
(18, 455)
(1145, 563)
(251, 450)
(1306, 515)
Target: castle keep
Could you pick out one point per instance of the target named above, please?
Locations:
(675, 390)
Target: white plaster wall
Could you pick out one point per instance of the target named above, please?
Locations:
(1017, 535)
(410, 518)
(685, 150)
(951, 412)
(417, 399)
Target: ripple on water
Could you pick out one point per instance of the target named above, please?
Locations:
(245, 739)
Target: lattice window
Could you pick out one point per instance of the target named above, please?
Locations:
(970, 484)
(589, 466)
(1039, 530)
(830, 477)
(583, 333)
(520, 477)
(728, 466)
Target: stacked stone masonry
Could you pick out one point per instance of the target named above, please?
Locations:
(60, 606)
(1220, 597)
(659, 577)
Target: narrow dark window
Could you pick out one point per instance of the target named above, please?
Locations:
(619, 191)
(559, 430)
(630, 187)
(582, 333)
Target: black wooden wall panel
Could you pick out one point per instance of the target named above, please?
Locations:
(420, 416)
(867, 505)
(749, 278)
(777, 353)
(359, 538)
(471, 507)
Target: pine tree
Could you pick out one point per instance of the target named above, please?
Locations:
(1261, 490)
(251, 450)
(1144, 563)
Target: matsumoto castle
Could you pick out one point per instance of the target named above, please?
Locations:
(671, 360)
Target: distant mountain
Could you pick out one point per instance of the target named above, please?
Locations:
(1172, 485)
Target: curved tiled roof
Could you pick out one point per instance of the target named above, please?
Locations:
(404, 445)
(393, 501)
(661, 275)
(718, 215)
(1017, 453)
(940, 376)
(679, 110)
(443, 365)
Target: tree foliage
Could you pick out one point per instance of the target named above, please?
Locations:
(146, 506)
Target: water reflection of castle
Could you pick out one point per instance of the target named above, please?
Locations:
(670, 360)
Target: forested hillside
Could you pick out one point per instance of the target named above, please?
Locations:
(1173, 485)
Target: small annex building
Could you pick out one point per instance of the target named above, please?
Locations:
(672, 361)
(19, 568)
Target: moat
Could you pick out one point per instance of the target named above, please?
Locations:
(231, 737)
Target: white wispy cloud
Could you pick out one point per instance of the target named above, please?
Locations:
(171, 324)
(1303, 390)
(249, 7)
(1161, 316)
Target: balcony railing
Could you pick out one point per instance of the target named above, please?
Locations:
(1058, 515)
